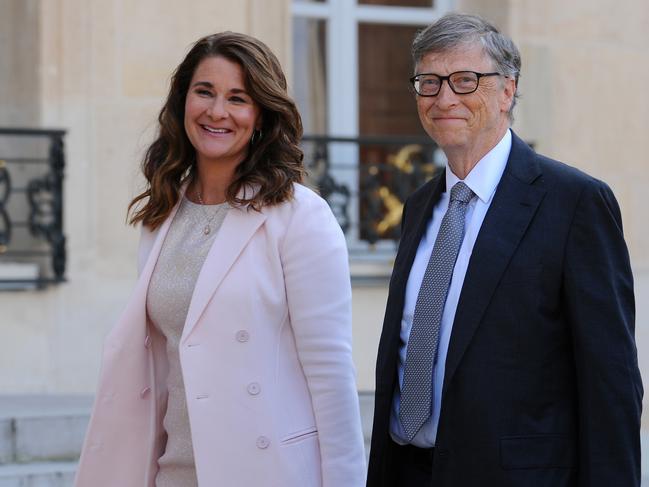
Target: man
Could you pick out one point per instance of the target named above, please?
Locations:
(507, 356)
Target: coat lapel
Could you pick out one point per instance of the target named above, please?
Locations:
(152, 258)
(135, 311)
(419, 213)
(237, 229)
(422, 212)
(505, 223)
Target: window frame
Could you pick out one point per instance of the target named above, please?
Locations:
(343, 17)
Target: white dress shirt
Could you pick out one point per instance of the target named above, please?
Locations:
(483, 181)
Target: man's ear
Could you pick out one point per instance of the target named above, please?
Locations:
(508, 94)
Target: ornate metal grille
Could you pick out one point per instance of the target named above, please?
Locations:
(32, 243)
(367, 179)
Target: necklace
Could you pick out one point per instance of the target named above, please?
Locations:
(207, 229)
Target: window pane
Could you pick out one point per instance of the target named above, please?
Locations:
(387, 106)
(310, 73)
(388, 172)
(399, 3)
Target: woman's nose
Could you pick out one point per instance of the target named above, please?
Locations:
(217, 109)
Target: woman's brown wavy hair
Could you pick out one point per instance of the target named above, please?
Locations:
(274, 160)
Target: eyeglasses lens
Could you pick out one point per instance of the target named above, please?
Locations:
(461, 82)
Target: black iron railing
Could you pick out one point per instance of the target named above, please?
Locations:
(32, 243)
(367, 179)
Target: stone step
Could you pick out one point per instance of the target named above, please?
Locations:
(45, 474)
(38, 433)
(42, 428)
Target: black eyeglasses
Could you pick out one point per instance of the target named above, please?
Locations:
(461, 82)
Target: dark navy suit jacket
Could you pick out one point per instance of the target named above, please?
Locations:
(542, 386)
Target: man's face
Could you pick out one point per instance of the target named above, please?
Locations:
(469, 123)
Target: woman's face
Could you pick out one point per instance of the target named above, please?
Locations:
(220, 116)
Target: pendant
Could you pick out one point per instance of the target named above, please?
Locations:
(206, 230)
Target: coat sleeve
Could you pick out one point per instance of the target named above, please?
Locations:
(318, 289)
(598, 290)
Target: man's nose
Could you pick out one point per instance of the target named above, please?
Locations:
(446, 96)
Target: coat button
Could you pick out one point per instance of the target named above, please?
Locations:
(147, 341)
(243, 336)
(263, 442)
(145, 392)
(254, 388)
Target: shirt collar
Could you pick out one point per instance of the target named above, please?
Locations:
(485, 175)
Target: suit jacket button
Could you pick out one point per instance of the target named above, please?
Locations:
(243, 336)
(263, 442)
(254, 388)
(145, 392)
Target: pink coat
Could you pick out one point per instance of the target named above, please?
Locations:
(266, 359)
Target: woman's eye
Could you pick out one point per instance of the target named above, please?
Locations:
(203, 92)
(237, 99)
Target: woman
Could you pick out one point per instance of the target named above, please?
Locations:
(231, 365)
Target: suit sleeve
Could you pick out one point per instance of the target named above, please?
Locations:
(316, 273)
(598, 290)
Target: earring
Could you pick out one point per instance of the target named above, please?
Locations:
(255, 137)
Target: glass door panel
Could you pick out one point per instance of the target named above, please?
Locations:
(310, 73)
(386, 104)
(390, 171)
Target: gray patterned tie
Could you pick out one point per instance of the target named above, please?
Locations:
(417, 393)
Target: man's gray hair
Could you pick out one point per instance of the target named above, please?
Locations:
(453, 31)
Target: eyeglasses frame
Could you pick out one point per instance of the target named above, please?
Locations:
(447, 78)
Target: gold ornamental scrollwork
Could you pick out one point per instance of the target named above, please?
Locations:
(394, 208)
(403, 161)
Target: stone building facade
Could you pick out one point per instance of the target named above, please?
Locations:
(100, 70)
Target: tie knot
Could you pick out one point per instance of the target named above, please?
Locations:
(461, 192)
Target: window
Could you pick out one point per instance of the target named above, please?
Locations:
(32, 243)
(351, 65)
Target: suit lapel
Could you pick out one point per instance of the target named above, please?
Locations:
(418, 215)
(509, 215)
(422, 212)
(237, 229)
